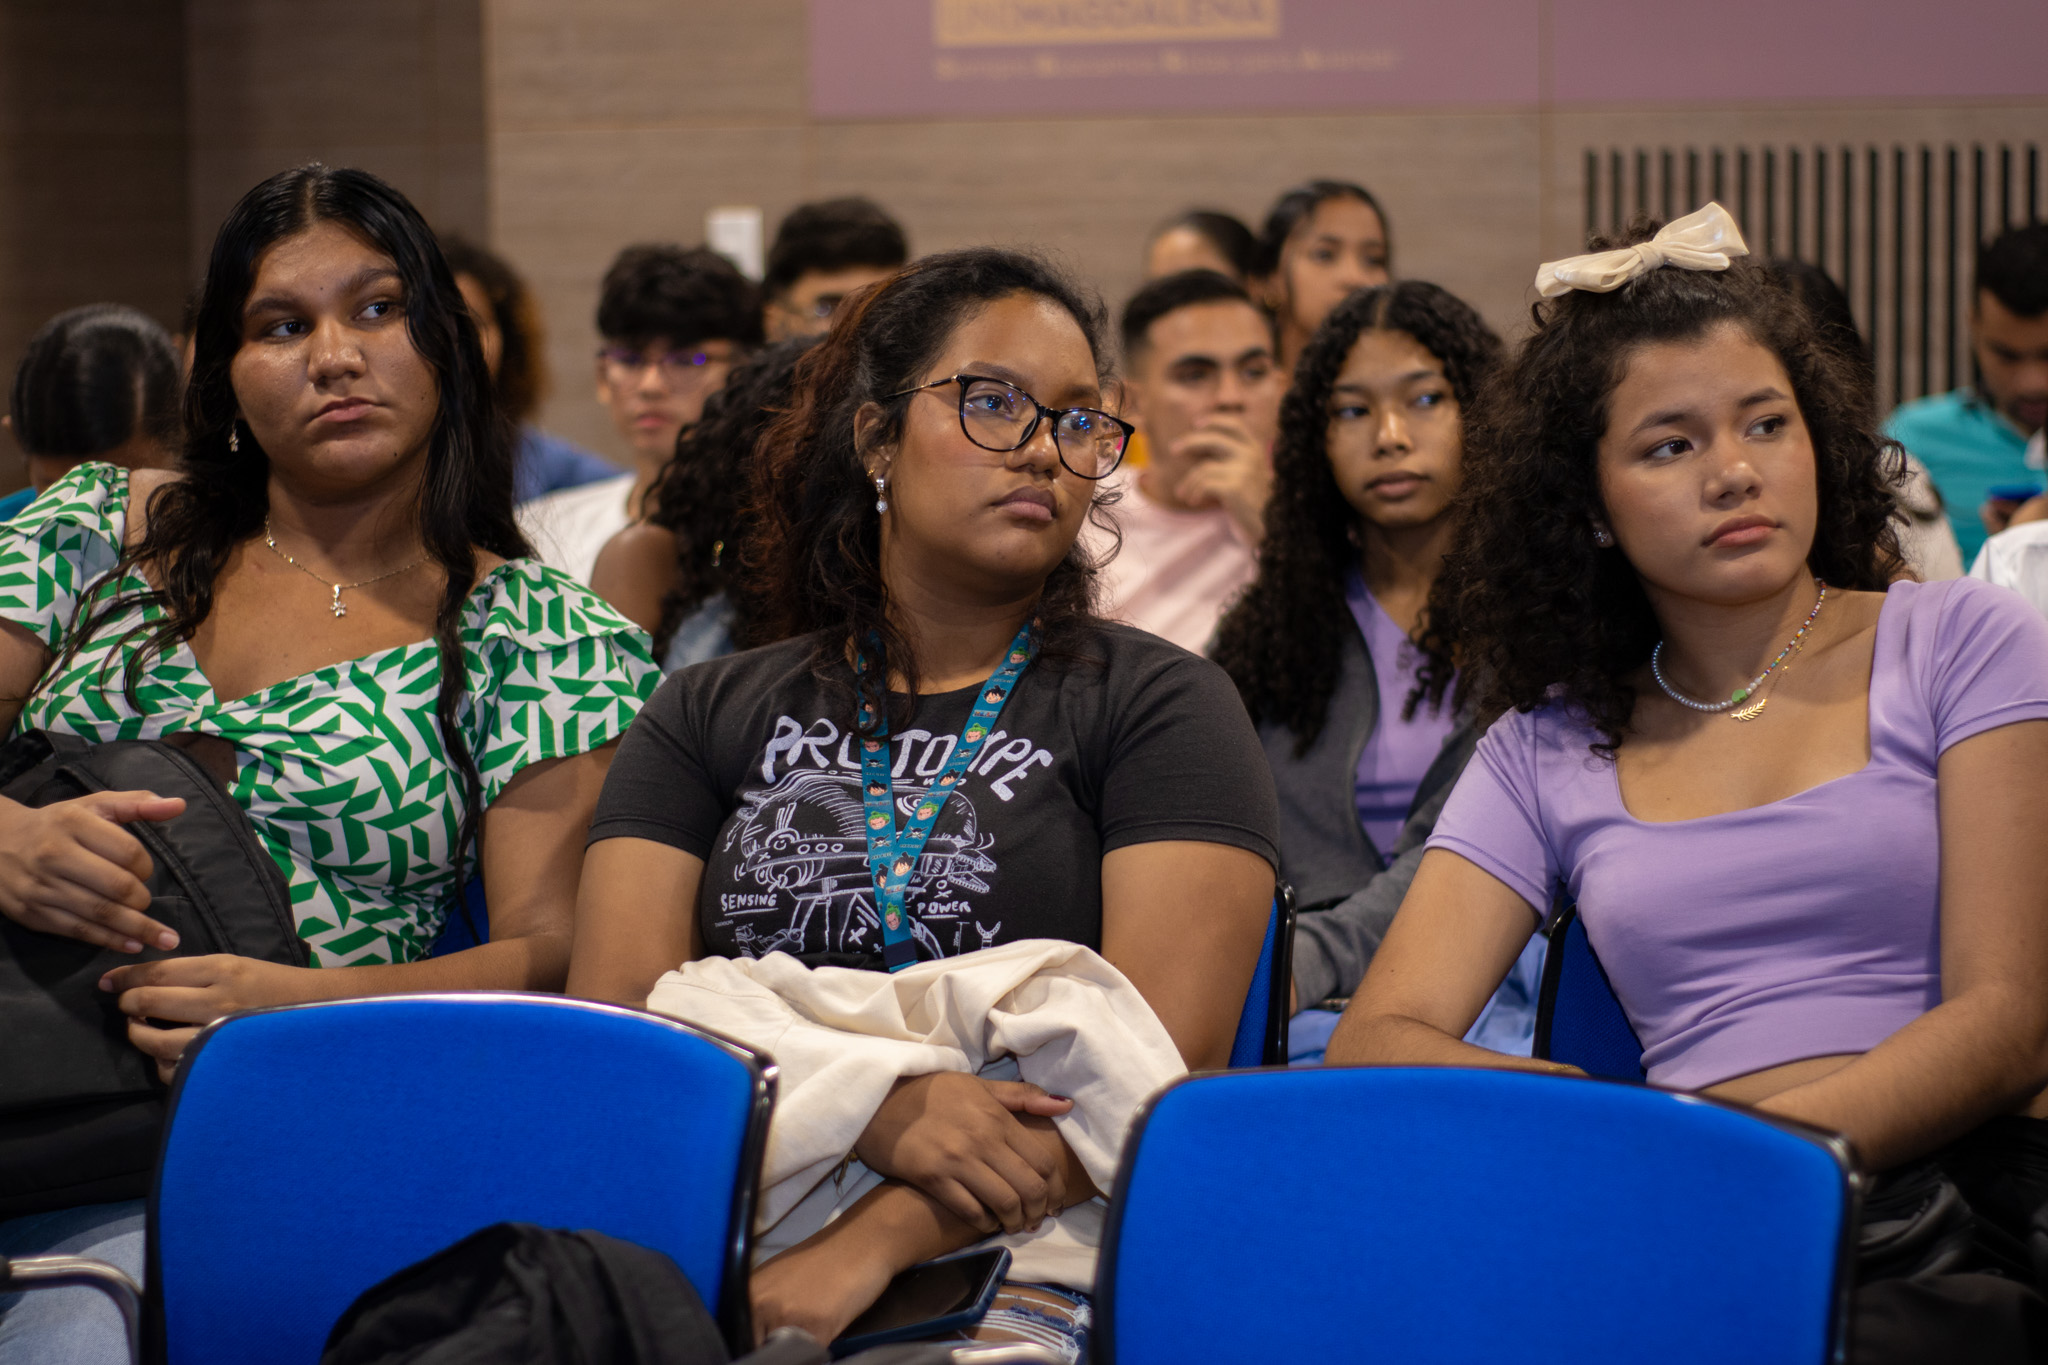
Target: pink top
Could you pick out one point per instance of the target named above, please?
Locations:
(1801, 928)
(1176, 572)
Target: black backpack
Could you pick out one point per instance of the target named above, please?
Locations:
(81, 1109)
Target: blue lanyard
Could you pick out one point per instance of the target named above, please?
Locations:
(893, 854)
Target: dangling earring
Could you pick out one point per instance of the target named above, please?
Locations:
(234, 438)
(881, 493)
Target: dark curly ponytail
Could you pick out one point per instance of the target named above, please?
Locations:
(1280, 642)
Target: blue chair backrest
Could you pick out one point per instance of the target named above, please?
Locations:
(1440, 1214)
(1262, 1028)
(1578, 1020)
(468, 923)
(313, 1150)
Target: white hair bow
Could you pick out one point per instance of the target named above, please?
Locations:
(1704, 240)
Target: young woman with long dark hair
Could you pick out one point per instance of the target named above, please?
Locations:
(917, 515)
(1323, 644)
(327, 605)
(1321, 241)
(1796, 798)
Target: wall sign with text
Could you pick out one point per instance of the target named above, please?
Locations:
(883, 58)
(922, 58)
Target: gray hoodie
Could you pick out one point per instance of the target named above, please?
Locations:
(1348, 890)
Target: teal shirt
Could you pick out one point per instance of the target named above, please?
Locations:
(1969, 449)
(14, 502)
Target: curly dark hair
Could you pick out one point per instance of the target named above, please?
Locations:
(1279, 642)
(816, 556)
(1539, 612)
(699, 494)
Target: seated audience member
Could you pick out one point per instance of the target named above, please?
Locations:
(823, 252)
(98, 383)
(1819, 889)
(1321, 241)
(1974, 440)
(508, 325)
(675, 574)
(1202, 239)
(1322, 646)
(1925, 536)
(2017, 557)
(674, 323)
(1204, 390)
(919, 512)
(342, 519)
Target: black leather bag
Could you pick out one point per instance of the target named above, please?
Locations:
(81, 1109)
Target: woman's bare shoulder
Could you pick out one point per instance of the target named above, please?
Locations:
(142, 484)
(635, 570)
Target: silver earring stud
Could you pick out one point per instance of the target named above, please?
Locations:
(1603, 537)
(881, 493)
(234, 439)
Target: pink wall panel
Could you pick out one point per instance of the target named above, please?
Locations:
(884, 58)
(1629, 52)
(922, 58)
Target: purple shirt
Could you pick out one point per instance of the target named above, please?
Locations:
(1398, 753)
(1801, 928)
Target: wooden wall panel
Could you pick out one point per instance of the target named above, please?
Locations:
(392, 86)
(92, 168)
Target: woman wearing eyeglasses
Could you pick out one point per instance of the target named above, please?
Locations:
(918, 512)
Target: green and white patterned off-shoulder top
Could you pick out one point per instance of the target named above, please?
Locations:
(341, 769)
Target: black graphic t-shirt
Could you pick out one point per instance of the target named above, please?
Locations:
(749, 762)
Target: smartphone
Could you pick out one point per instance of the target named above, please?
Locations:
(929, 1300)
(2013, 492)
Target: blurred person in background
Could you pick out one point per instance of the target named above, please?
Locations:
(1925, 536)
(1204, 390)
(508, 324)
(98, 383)
(1974, 440)
(674, 322)
(676, 573)
(823, 252)
(1202, 239)
(1321, 241)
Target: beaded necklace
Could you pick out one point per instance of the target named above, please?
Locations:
(1741, 694)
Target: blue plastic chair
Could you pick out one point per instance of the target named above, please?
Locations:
(1578, 1019)
(1262, 1028)
(313, 1150)
(1439, 1214)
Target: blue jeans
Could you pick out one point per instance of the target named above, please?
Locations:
(1507, 1024)
(70, 1326)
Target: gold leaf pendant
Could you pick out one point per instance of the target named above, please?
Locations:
(1751, 711)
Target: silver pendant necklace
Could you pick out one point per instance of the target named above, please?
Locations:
(339, 608)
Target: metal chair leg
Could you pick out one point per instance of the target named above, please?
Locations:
(21, 1273)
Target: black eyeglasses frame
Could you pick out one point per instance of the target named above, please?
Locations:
(1031, 427)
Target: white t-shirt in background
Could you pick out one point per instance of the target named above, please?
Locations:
(569, 526)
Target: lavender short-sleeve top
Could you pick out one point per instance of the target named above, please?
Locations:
(1802, 928)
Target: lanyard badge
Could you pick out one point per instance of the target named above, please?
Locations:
(893, 853)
